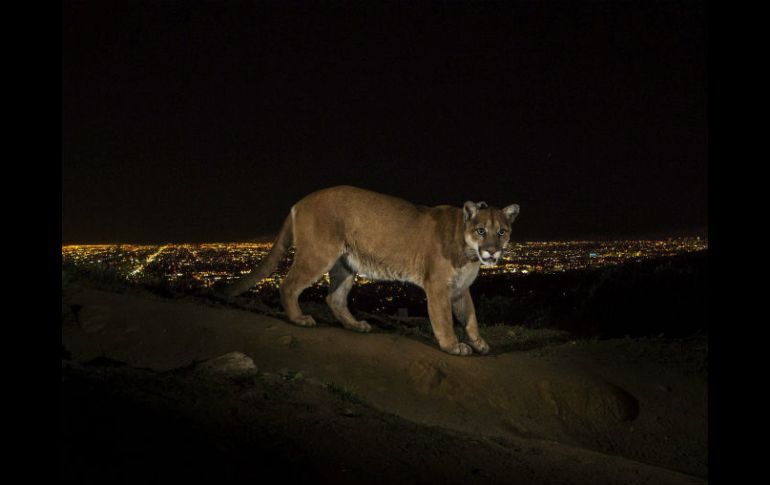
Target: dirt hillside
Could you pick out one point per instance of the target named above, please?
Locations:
(620, 404)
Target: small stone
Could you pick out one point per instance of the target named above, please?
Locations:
(231, 363)
(288, 340)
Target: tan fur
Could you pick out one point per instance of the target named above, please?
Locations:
(346, 230)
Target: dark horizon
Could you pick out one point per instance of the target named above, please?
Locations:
(205, 122)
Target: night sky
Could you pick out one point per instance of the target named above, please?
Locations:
(205, 121)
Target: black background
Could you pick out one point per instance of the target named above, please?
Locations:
(206, 121)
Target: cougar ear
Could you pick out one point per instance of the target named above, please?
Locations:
(470, 209)
(511, 212)
(481, 205)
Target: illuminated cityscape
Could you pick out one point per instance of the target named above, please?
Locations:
(208, 264)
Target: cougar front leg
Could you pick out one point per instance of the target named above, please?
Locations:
(440, 313)
(462, 306)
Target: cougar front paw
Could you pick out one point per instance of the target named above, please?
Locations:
(358, 326)
(458, 349)
(304, 321)
(479, 345)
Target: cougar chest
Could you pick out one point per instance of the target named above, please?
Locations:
(464, 276)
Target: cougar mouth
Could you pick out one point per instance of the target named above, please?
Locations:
(490, 261)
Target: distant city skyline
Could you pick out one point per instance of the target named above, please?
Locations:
(208, 262)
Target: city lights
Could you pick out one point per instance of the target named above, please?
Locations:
(206, 264)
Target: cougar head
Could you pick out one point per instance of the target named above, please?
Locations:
(488, 229)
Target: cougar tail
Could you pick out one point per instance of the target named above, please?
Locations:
(282, 244)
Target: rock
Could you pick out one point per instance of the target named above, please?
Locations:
(349, 413)
(517, 427)
(288, 341)
(232, 363)
(425, 377)
(592, 401)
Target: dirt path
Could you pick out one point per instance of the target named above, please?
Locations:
(512, 396)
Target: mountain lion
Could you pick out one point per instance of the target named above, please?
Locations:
(346, 230)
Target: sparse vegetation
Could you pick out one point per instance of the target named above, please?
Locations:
(508, 338)
(638, 298)
(344, 392)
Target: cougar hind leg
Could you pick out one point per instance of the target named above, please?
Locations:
(340, 282)
(308, 267)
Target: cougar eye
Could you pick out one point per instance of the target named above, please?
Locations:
(481, 231)
(501, 232)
